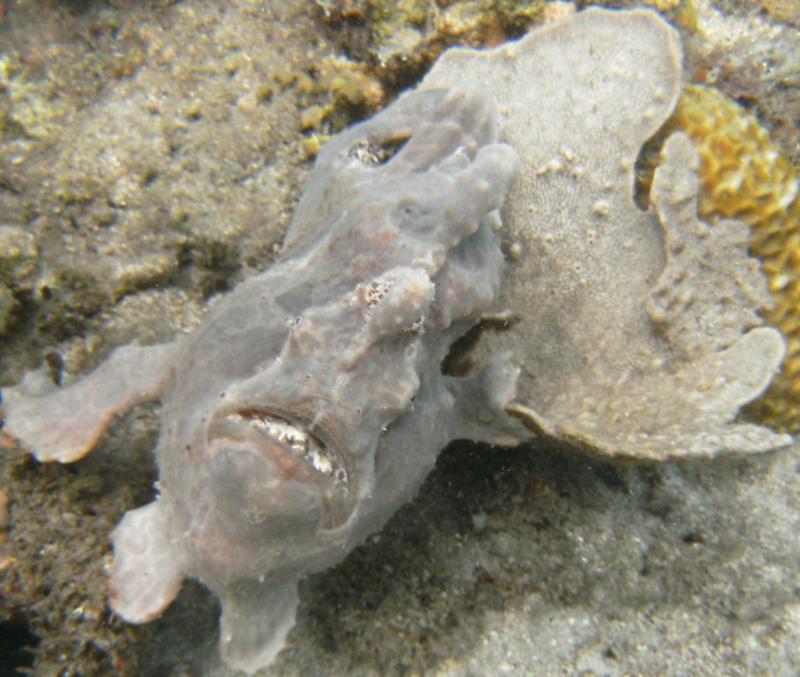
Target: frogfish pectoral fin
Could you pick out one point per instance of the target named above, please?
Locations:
(148, 567)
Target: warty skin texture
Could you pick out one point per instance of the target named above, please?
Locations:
(309, 404)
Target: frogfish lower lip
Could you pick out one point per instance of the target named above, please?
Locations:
(294, 450)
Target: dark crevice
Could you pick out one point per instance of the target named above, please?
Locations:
(17, 644)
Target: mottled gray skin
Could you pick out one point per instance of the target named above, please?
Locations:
(310, 404)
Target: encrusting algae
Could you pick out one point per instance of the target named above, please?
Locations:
(743, 175)
(646, 363)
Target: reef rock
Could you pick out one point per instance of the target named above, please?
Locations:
(637, 331)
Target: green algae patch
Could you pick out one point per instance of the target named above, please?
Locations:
(18, 254)
(29, 109)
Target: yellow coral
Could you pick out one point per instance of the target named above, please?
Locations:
(783, 10)
(745, 176)
(682, 12)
